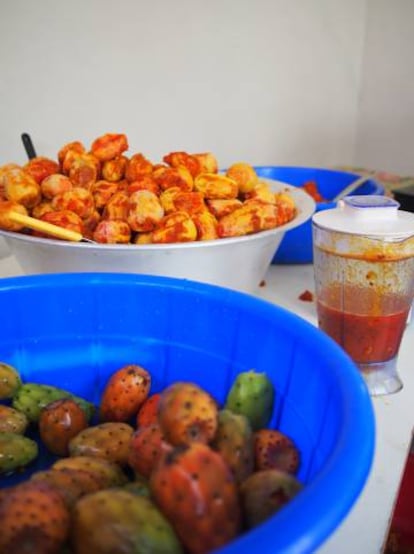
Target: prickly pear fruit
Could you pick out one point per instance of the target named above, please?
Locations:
(120, 521)
(148, 412)
(275, 450)
(124, 393)
(107, 473)
(12, 421)
(234, 441)
(252, 394)
(33, 518)
(59, 422)
(147, 445)
(265, 492)
(72, 484)
(196, 491)
(30, 398)
(107, 440)
(16, 452)
(187, 413)
(10, 381)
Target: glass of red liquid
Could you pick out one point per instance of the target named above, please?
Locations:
(364, 279)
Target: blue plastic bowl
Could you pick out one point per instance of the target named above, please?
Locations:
(74, 330)
(296, 245)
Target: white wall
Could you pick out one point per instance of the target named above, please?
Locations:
(266, 81)
(316, 82)
(385, 133)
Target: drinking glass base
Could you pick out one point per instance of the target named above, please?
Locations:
(381, 378)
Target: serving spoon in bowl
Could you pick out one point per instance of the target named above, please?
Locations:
(47, 228)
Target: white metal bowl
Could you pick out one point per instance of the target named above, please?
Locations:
(239, 263)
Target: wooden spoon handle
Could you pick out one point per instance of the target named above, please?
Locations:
(45, 227)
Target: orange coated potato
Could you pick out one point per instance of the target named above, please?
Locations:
(244, 175)
(39, 168)
(20, 187)
(144, 211)
(178, 159)
(213, 186)
(168, 177)
(112, 231)
(112, 197)
(7, 206)
(109, 146)
(175, 227)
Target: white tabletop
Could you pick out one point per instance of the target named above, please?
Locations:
(365, 528)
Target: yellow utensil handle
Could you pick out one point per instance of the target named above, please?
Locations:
(45, 227)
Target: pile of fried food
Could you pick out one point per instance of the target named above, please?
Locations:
(109, 197)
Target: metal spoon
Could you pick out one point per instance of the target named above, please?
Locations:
(351, 187)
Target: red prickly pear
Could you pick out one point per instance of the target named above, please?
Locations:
(187, 413)
(196, 491)
(33, 518)
(264, 493)
(124, 393)
(275, 450)
(148, 412)
(146, 448)
(59, 422)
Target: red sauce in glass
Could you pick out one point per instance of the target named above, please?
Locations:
(366, 338)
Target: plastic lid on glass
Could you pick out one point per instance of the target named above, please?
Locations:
(373, 215)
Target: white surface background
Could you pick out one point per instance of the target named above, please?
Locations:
(304, 82)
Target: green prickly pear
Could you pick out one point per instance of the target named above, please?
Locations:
(110, 441)
(234, 441)
(12, 421)
(264, 493)
(10, 381)
(16, 452)
(116, 520)
(31, 398)
(252, 394)
(108, 474)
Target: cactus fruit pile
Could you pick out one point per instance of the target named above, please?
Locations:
(158, 472)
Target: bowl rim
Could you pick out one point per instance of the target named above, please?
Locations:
(304, 202)
(379, 188)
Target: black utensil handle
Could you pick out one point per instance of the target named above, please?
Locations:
(28, 145)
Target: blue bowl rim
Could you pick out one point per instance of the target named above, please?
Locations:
(307, 521)
(379, 188)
